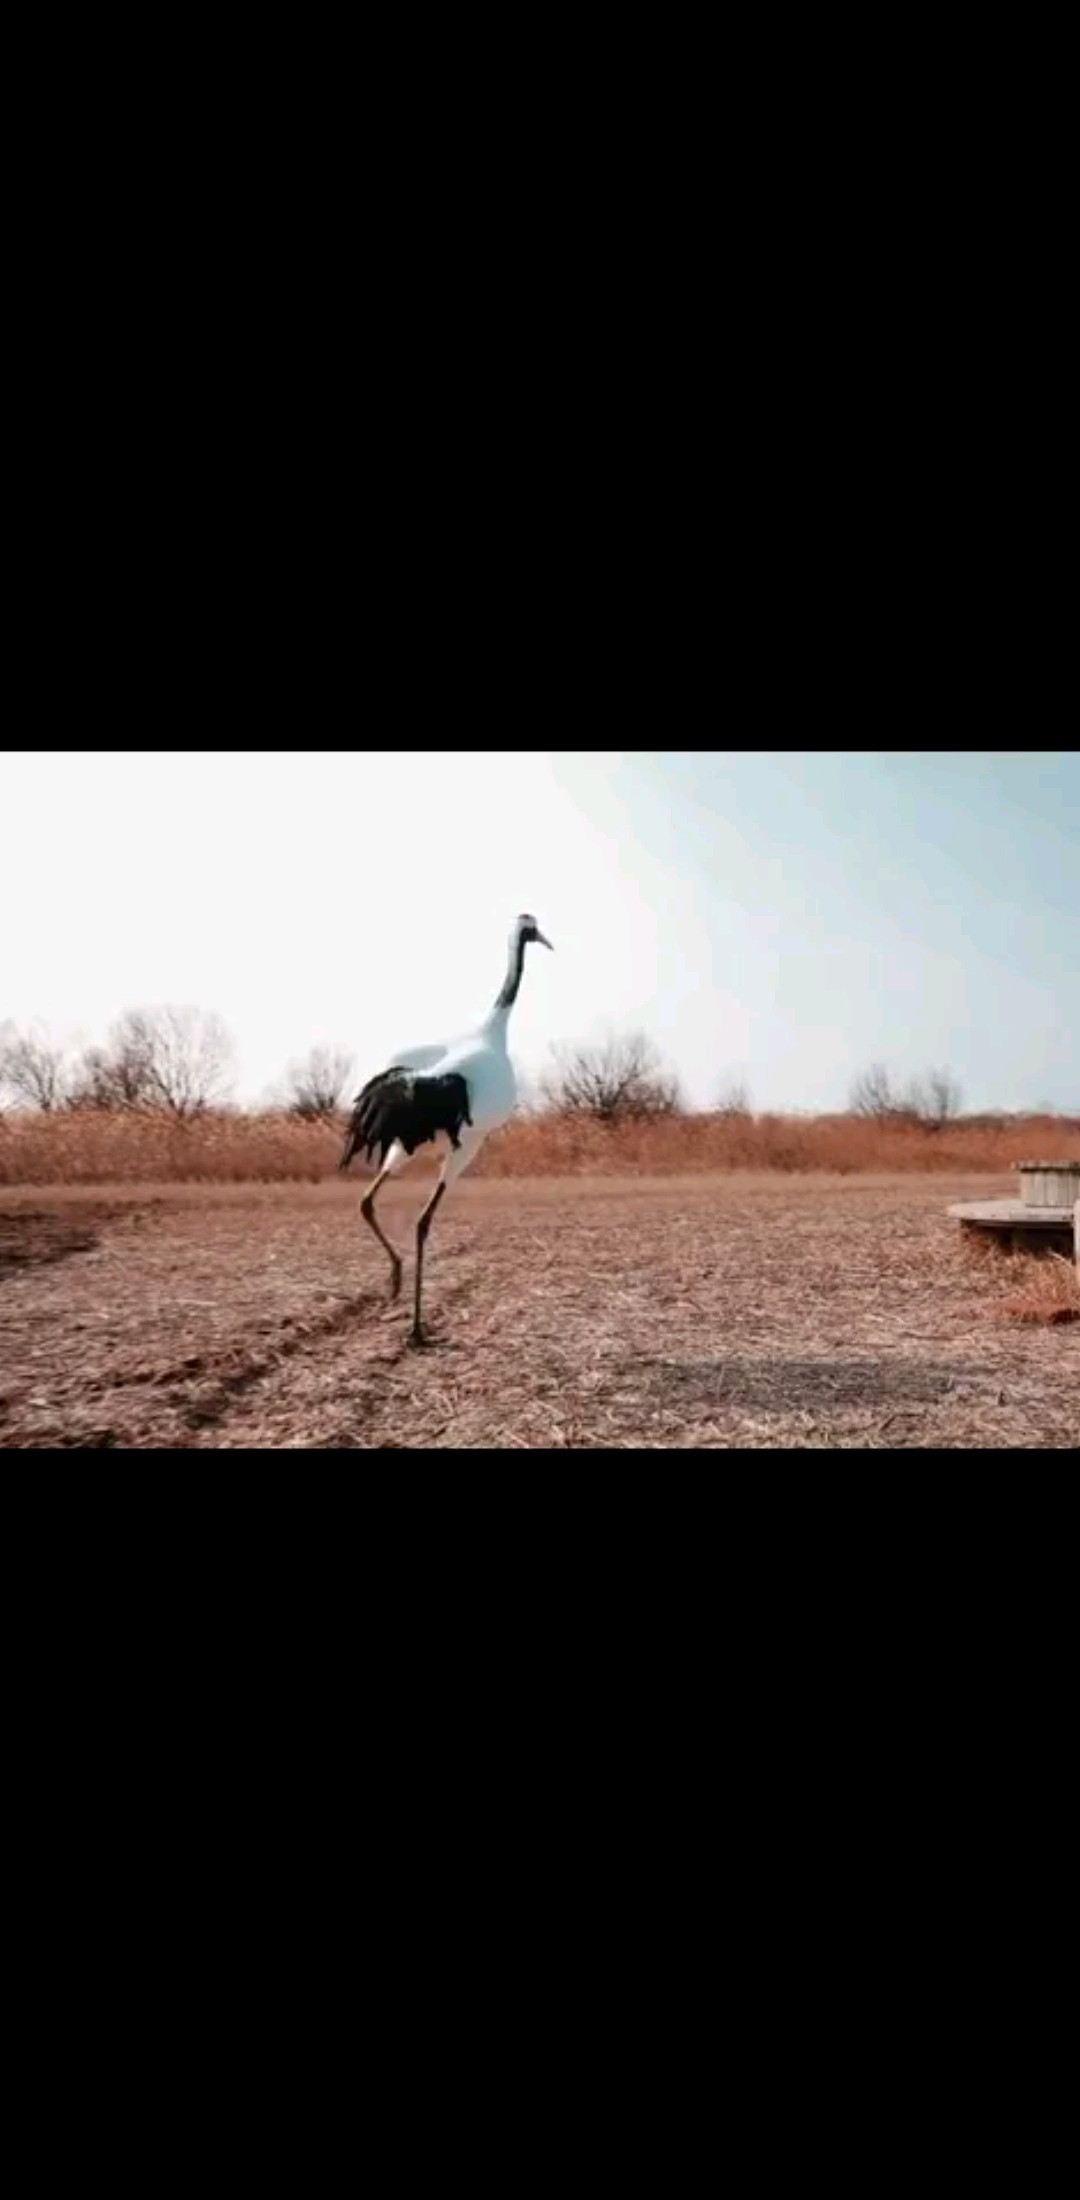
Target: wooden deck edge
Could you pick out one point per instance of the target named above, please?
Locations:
(1008, 1214)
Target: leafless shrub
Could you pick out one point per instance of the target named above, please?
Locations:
(617, 1081)
(315, 1088)
(33, 1068)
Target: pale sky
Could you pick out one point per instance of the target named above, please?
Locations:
(783, 918)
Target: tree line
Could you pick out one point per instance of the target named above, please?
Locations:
(177, 1060)
(932, 1100)
(182, 1060)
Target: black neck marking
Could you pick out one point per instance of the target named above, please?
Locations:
(514, 967)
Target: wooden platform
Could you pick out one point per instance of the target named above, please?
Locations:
(1017, 1224)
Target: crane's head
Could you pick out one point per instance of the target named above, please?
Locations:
(529, 930)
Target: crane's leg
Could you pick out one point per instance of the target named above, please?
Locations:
(392, 1163)
(455, 1162)
(416, 1335)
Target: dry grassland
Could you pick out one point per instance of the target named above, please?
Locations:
(692, 1309)
(91, 1147)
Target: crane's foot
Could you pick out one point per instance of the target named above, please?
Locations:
(417, 1338)
(395, 1281)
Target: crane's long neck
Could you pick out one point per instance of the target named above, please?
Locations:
(508, 991)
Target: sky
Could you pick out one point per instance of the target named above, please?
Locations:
(780, 919)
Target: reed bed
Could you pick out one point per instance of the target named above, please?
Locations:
(127, 1146)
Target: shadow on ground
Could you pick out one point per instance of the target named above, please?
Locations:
(32, 1240)
(780, 1385)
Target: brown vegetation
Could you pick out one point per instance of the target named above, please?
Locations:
(142, 1146)
(1024, 1287)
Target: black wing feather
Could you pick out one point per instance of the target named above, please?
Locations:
(399, 1103)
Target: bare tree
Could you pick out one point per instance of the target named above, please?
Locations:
(33, 1068)
(733, 1098)
(91, 1084)
(177, 1058)
(614, 1081)
(315, 1087)
(872, 1093)
(944, 1095)
(116, 1076)
(932, 1100)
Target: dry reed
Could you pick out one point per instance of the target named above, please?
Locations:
(1048, 1291)
(102, 1147)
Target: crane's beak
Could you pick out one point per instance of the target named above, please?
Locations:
(542, 940)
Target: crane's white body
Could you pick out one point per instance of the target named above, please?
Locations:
(481, 1060)
(484, 1062)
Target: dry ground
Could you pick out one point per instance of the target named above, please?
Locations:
(677, 1311)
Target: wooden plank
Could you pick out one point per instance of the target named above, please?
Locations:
(1012, 1214)
(1017, 1226)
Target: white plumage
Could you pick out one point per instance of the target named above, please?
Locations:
(463, 1087)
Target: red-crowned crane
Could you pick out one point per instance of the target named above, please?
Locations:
(462, 1087)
